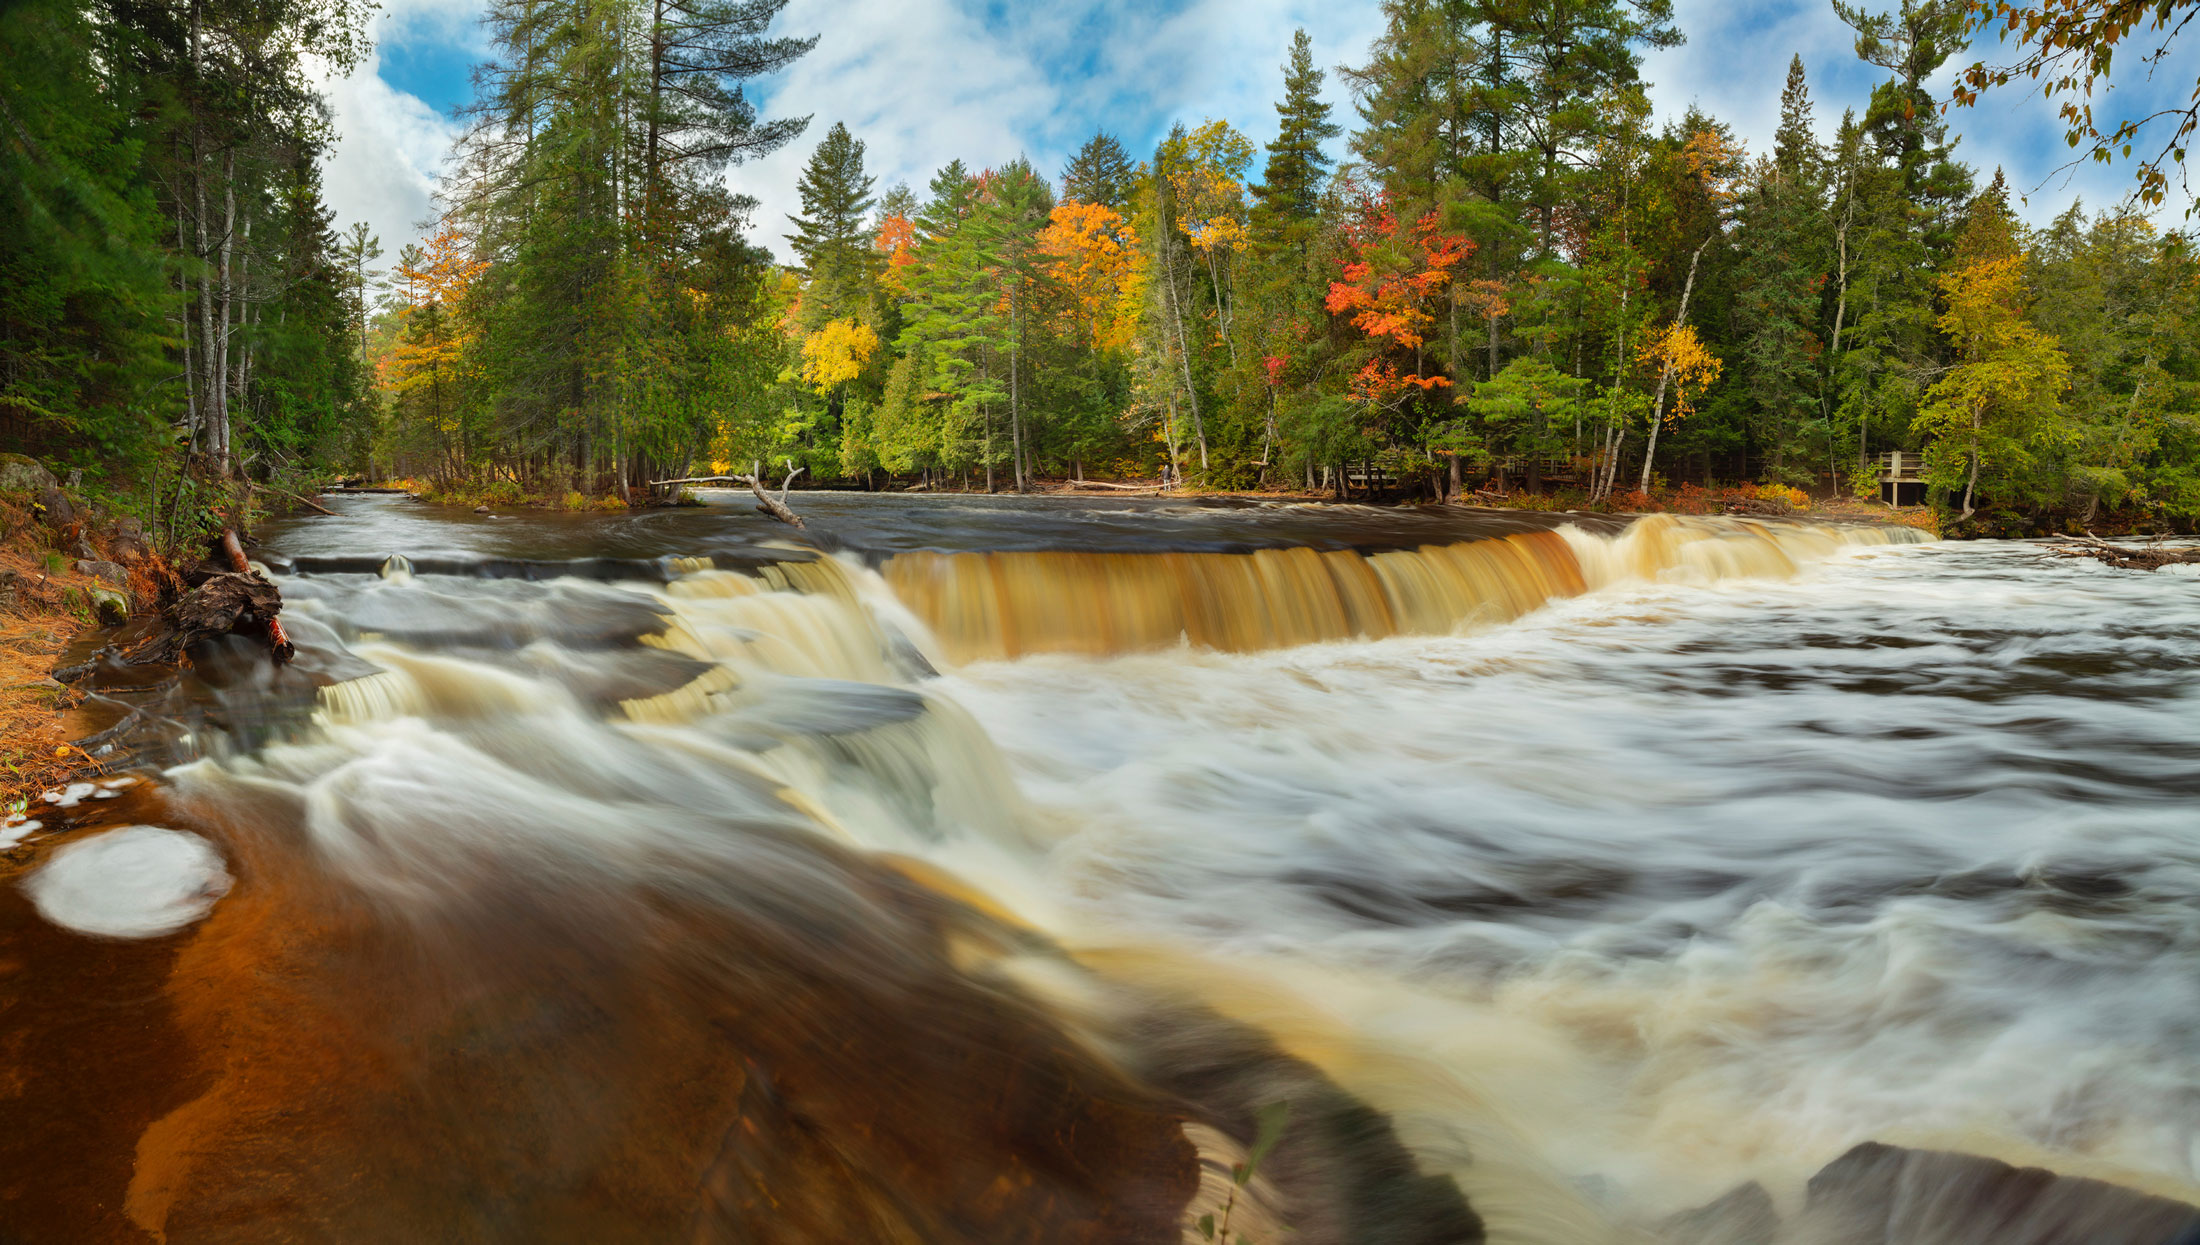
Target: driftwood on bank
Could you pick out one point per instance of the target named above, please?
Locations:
(2150, 558)
(223, 602)
(1125, 488)
(775, 507)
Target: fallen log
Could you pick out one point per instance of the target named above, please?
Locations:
(775, 507)
(238, 600)
(2152, 558)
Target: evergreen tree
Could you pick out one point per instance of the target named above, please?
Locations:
(954, 317)
(82, 288)
(1781, 262)
(832, 237)
(1291, 184)
(1017, 208)
(1100, 173)
(697, 116)
(355, 250)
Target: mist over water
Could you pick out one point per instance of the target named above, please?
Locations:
(985, 888)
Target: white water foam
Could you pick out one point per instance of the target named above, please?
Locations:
(131, 882)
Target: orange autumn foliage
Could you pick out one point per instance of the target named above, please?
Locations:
(434, 345)
(897, 241)
(1390, 283)
(1092, 252)
(1379, 383)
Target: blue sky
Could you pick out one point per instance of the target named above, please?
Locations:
(926, 81)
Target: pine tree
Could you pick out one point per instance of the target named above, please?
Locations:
(1291, 184)
(1019, 206)
(832, 236)
(356, 248)
(697, 116)
(954, 317)
(1780, 242)
(1100, 173)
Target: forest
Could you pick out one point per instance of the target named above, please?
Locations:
(1468, 264)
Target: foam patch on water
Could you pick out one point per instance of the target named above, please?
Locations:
(133, 882)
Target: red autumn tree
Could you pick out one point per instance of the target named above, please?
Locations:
(1394, 287)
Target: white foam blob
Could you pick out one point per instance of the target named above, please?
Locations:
(70, 797)
(16, 832)
(133, 882)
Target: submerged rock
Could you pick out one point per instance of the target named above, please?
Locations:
(1743, 1217)
(1886, 1195)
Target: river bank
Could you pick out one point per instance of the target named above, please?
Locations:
(56, 580)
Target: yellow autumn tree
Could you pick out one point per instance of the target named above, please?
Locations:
(1683, 356)
(836, 352)
(1092, 253)
(424, 372)
(1684, 363)
(2002, 399)
(1206, 179)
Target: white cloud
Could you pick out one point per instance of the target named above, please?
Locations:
(1735, 64)
(923, 82)
(390, 144)
(382, 168)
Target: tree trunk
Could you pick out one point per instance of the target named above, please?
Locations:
(190, 377)
(1665, 374)
(229, 297)
(1015, 407)
(242, 301)
(1183, 347)
(1168, 431)
(1970, 486)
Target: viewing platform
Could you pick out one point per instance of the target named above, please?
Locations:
(1901, 470)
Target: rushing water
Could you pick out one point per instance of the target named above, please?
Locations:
(981, 876)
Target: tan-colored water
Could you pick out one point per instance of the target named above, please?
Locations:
(988, 896)
(1002, 605)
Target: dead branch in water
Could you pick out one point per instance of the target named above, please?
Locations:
(310, 505)
(775, 507)
(2122, 557)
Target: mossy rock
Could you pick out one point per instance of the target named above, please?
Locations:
(112, 607)
(22, 474)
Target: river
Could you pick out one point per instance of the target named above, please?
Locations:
(996, 869)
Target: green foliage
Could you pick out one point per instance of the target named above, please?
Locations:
(1289, 193)
(160, 205)
(1100, 173)
(1491, 286)
(830, 236)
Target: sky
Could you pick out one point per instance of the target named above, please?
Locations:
(922, 82)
